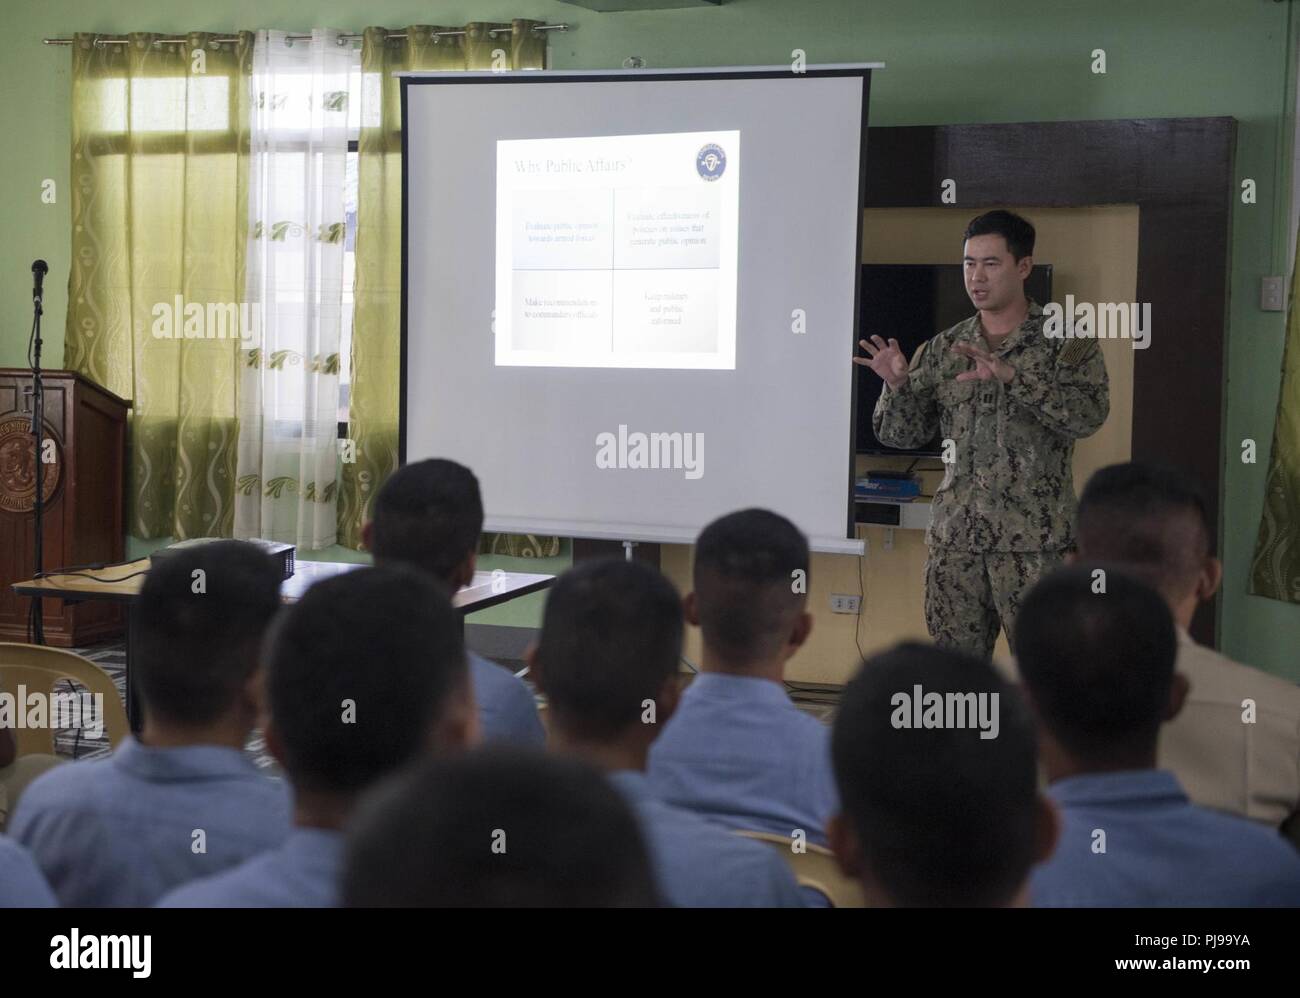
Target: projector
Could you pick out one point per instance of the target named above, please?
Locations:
(282, 553)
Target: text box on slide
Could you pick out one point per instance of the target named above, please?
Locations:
(562, 230)
(565, 311)
(617, 251)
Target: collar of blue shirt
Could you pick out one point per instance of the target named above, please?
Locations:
(725, 686)
(632, 784)
(185, 762)
(318, 846)
(1130, 786)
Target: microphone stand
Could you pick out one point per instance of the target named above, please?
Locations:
(37, 623)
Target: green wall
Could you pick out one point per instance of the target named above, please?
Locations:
(948, 61)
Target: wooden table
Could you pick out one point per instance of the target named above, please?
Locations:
(122, 584)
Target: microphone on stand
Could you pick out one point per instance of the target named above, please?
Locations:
(39, 269)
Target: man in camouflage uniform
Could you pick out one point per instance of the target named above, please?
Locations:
(1009, 403)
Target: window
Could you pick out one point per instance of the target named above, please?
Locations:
(303, 181)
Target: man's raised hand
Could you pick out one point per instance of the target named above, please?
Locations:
(987, 367)
(886, 359)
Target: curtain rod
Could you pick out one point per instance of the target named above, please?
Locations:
(182, 40)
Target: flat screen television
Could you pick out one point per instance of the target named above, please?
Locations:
(911, 303)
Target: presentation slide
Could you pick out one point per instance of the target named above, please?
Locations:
(617, 251)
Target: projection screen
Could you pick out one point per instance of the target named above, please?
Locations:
(630, 299)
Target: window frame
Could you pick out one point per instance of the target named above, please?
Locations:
(354, 146)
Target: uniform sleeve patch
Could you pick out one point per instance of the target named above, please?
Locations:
(1076, 351)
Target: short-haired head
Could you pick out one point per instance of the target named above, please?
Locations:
(939, 816)
(1096, 649)
(751, 578)
(611, 639)
(430, 514)
(197, 627)
(1017, 231)
(497, 828)
(361, 673)
(1150, 519)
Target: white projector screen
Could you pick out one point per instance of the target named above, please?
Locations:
(630, 300)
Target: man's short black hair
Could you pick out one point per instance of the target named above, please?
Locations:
(1096, 650)
(1017, 231)
(611, 636)
(359, 671)
(430, 514)
(1149, 518)
(942, 816)
(497, 828)
(197, 627)
(747, 588)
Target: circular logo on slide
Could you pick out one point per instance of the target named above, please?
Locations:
(711, 161)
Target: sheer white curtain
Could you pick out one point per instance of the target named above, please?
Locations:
(286, 477)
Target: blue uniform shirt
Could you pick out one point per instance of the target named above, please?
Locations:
(507, 710)
(1161, 850)
(125, 830)
(701, 865)
(302, 872)
(740, 753)
(21, 883)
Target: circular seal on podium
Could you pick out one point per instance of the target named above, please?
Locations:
(18, 466)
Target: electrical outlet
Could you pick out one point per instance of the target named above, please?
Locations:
(844, 603)
(1270, 294)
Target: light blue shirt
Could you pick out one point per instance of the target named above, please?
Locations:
(302, 872)
(125, 830)
(700, 865)
(1161, 850)
(21, 883)
(507, 710)
(740, 753)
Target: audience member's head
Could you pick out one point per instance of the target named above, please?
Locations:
(1096, 650)
(937, 815)
(365, 674)
(197, 629)
(1154, 522)
(610, 644)
(750, 599)
(497, 828)
(429, 514)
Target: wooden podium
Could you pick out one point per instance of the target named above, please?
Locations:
(84, 493)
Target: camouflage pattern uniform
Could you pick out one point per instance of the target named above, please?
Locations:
(1004, 514)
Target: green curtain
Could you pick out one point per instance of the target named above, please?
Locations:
(1275, 571)
(376, 328)
(159, 212)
